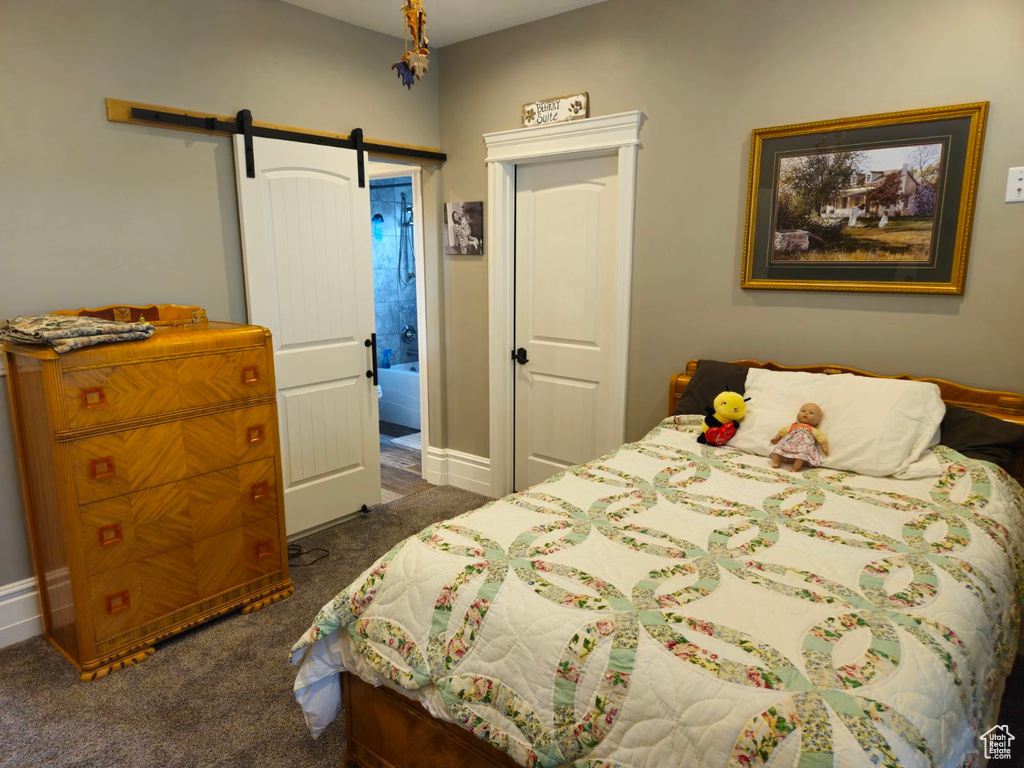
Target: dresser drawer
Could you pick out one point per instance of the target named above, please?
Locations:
(239, 556)
(262, 548)
(131, 595)
(136, 459)
(97, 396)
(123, 598)
(121, 530)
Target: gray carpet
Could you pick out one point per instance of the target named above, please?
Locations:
(218, 695)
(221, 694)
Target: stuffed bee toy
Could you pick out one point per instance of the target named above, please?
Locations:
(724, 419)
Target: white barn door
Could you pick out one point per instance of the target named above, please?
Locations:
(565, 308)
(309, 279)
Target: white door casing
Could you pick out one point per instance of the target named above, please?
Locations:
(387, 170)
(565, 314)
(305, 226)
(618, 135)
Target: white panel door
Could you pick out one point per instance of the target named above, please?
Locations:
(309, 279)
(566, 239)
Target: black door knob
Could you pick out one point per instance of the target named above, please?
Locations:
(520, 357)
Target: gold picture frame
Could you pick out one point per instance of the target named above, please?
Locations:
(806, 229)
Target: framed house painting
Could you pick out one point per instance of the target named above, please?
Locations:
(880, 203)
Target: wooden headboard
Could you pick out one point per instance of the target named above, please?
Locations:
(1008, 406)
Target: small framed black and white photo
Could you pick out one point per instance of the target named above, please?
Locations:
(464, 229)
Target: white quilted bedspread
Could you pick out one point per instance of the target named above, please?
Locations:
(671, 604)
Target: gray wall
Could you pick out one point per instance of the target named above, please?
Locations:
(93, 213)
(705, 73)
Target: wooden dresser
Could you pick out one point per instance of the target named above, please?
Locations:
(150, 475)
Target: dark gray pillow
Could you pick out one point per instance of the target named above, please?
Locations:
(711, 378)
(978, 436)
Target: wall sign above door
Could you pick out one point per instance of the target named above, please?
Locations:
(560, 109)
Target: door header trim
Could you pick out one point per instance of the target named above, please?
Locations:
(595, 134)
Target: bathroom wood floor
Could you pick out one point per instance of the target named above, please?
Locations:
(399, 466)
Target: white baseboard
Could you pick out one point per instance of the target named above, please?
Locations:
(444, 466)
(20, 616)
(435, 466)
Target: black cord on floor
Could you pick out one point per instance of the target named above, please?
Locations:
(296, 550)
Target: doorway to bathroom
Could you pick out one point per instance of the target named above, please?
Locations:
(395, 213)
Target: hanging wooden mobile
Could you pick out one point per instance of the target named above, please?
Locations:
(413, 65)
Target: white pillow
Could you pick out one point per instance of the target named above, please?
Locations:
(876, 427)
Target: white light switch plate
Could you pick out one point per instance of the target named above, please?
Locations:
(1015, 186)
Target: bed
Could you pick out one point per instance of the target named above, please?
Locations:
(677, 604)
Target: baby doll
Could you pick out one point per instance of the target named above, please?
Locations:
(801, 441)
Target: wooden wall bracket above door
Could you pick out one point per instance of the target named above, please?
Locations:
(135, 113)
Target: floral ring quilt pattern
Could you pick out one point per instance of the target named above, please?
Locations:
(882, 611)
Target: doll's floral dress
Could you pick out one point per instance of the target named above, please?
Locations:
(801, 441)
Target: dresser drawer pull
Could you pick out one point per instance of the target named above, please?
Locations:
(118, 602)
(256, 434)
(94, 397)
(251, 374)
(263, 550)
(110, 535)
(259, 491)
(102, 468)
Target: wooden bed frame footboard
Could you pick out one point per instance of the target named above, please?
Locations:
(384, 729)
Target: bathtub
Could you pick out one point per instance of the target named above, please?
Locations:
(400, 394)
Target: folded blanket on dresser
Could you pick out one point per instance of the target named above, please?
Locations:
(64, 333)
(677, 604)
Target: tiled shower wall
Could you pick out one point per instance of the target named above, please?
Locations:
(394, 301)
